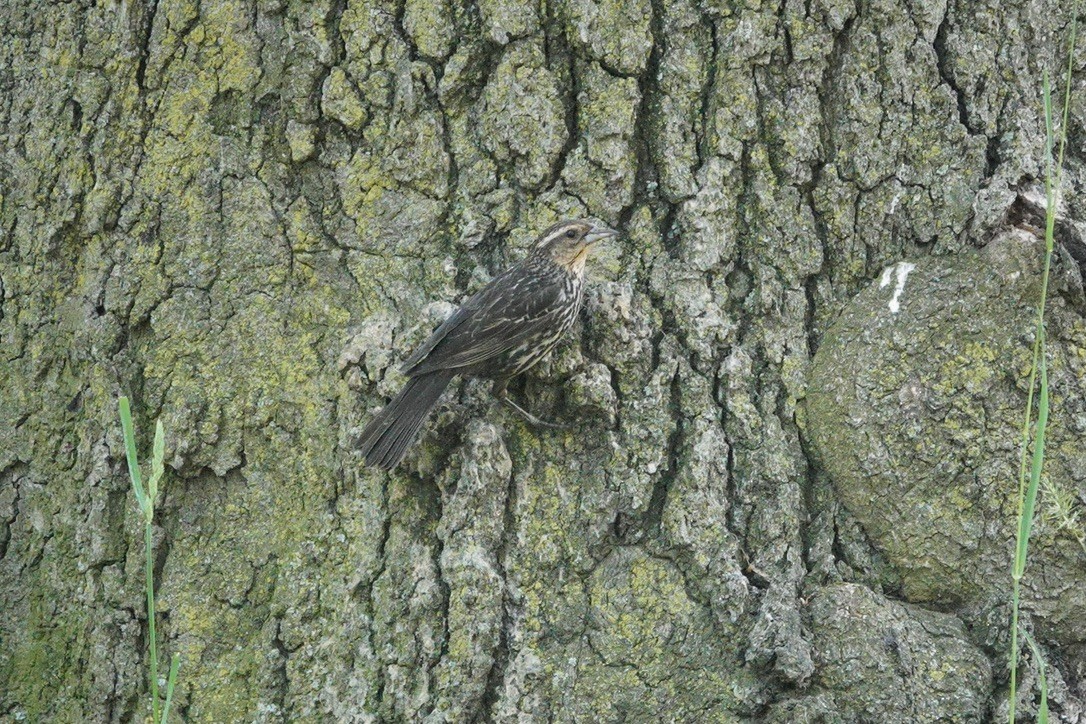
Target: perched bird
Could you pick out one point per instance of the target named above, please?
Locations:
(502, 330)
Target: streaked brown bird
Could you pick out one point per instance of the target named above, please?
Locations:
(505, 328)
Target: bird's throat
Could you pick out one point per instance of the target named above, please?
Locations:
(576, 261)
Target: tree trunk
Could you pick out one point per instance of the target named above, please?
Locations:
(245, 215)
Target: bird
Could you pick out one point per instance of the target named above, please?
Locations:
(499, 332)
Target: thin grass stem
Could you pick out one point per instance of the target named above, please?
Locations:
(1027, 494)
(152, 639)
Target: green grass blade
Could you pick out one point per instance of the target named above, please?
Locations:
(1025, 522)
(157, 455)
(130, 453)
(146, 498)
(1025, 513)
(175, 663)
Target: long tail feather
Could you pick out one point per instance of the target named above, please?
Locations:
(386, 438)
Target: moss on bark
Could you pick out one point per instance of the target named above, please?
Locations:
(244, 214)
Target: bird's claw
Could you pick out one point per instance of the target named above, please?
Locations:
(529, 417)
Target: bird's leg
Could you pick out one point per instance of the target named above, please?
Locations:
(502, 394)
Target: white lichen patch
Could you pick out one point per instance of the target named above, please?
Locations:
(901, 269)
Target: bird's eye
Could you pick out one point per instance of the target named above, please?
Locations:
(571, 234)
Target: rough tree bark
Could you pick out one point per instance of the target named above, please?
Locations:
(244, 214)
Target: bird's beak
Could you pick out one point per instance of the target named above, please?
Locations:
(598, 232)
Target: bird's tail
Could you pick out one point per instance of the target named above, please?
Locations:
(385, 439)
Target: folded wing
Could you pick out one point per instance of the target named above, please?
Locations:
(497, 319)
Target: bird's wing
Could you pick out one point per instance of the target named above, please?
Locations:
(455, 320)
(508, 311)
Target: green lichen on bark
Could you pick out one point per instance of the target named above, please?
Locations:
(920, 437)
(244, 215)
(869, 645)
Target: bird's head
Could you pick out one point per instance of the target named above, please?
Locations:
(567, 242)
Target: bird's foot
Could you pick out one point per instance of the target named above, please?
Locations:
(502, 395)
(530, 418)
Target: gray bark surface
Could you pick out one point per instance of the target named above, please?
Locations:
(778, 501)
